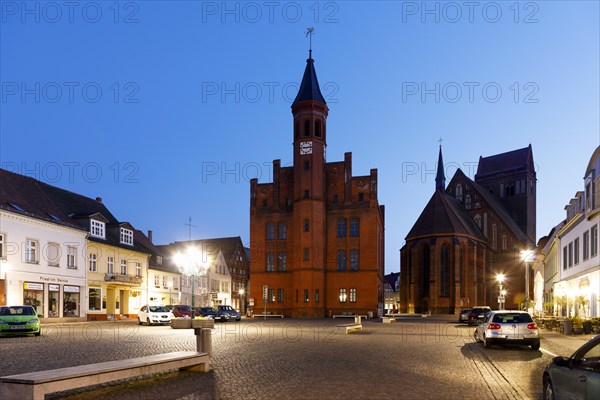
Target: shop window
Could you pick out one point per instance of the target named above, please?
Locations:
(33, 295)
(95, 299)
(71, 301)
(53, 300)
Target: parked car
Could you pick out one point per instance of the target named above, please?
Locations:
(208, 312)
(575, 377)
(464, 315)
(476, 315)
(182, 311)
(508, 327)
(19, 320)
(227, 312)
(154, 315)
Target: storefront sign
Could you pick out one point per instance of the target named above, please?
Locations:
(53, 279)
(71, 289)
(33, 286)
(53, 288)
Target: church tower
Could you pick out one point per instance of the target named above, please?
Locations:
(310, 115)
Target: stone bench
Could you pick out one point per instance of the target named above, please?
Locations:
(349, 316)
(267, 315)
(388, 320)
(347, 328)
(35, 385)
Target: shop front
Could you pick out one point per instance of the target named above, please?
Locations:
(57, 299)
(111, 302)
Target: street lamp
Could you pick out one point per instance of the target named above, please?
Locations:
(527, 256)
(242, 300)
(170, 285)
(501, 291)
(192, 263)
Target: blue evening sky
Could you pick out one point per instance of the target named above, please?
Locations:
(167, 109)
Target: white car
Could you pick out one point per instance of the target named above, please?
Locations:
(508, 327)
(155, 315)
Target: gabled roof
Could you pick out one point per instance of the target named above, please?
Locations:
(444, 216)
(309, 88)
(227, 245)
(391, 279)
(24, 195)
(167, 266)
(496, 205)
(506, 163)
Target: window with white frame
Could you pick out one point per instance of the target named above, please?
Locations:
(165, 282)
(93, 263)
(594, 240)
(71, 257)
(127, 236)
(53, 254)
(123, 267)
(343, 295)
(111, 265)
(156, 280)
(31, 251)
(352, 295)
(586, 245)
(97, 228)
(2, 245)
(138, 270)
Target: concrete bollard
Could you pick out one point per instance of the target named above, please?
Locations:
(203, 340)
(357, 319)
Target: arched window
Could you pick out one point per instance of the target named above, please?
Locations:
(504, 242)
(494, 237)
(445, 271)
(459, 192)
(468, 201)
(297, 129)
(425, 272)
(318, 128)
(478, 220)
(307, 128)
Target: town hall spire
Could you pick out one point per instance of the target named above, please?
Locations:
(440, 178)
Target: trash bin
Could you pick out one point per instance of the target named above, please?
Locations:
(567, 327)
(587, 327)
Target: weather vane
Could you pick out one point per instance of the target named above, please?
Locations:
(309, 32)
(440, 142)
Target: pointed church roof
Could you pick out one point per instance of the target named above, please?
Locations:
(496, 205)
(309, 88)
(440, 178)
(506, 163)
(444, 216)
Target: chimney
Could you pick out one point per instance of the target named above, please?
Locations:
(99, 199)
(150, 235)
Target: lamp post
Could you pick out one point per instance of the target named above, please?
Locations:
(242, 301)
(501, 291)
(170, 285)
(527, 254)
(192, 263)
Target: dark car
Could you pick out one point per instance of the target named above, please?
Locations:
(208, 312)
(227, 312)
(464, 315)
(575, 377)
(180, 311)
(477, 313)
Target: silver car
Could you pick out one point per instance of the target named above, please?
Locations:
(508, 327)
(575, 377)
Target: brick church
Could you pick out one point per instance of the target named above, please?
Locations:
(316, 231)
(469, 232)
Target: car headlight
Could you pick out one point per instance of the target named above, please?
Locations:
(33, 321)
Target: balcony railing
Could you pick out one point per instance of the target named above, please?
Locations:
(131, 279)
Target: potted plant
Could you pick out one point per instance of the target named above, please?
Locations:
(577, 325)
(203, 322)
(595, 324)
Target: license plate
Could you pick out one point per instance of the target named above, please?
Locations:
(17, 327)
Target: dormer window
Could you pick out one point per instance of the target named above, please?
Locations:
(97, 229)
(127, 236)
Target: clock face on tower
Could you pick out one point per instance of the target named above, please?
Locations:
(305, 147)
